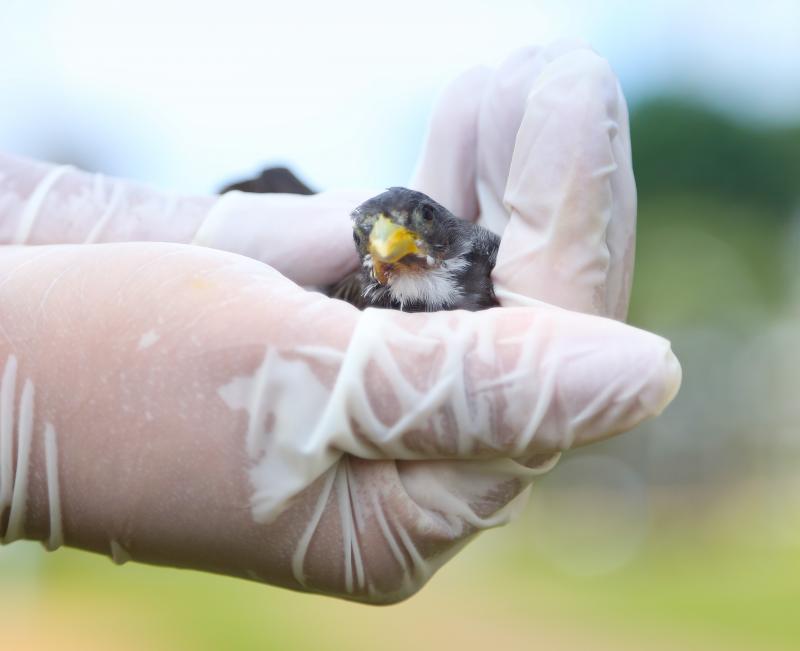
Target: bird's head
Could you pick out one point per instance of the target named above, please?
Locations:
(401, 232)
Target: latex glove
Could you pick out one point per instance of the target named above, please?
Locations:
(182, 406)
(539, 152)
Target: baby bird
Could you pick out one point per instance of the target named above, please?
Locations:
(416, 256)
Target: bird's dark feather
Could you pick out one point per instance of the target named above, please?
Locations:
(271, 180)
(350, 289)
(474, 281)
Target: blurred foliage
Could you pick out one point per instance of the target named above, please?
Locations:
(689, 590)
(706, 259)
(716, 199)
(680, 146)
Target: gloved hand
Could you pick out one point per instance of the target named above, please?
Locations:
(179, 405)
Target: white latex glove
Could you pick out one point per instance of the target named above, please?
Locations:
(179, 405)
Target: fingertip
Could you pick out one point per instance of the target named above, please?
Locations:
(639, 380)
(666, 383)
(561, 46)
(594, 378)
(502, 111)
(446, 167)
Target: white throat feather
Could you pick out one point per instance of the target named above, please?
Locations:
(436, 287)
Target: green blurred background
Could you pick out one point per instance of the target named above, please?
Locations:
(682, 534)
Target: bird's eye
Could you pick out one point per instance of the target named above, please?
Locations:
(427, 213)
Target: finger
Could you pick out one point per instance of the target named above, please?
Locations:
(522, 383)
(57, 204)
(446, 169)
(570, 192)
(501, 112)
(308, 239)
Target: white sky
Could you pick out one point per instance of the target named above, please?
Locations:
(186, 95)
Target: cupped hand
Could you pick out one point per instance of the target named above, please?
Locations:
(178, 405)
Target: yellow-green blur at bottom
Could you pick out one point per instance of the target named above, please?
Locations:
(710, 589)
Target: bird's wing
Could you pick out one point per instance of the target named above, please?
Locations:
(350, 289)
(271, 179)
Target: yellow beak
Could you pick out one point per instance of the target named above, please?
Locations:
(389, 243)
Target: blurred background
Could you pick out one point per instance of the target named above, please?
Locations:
(682, 534)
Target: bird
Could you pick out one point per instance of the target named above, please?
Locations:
(417, 256)
(414, 254)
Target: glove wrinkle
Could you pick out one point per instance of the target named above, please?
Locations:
(115, 202)
(15, 474)
(19, 497)
(7, 407)
(56, 536)
(34, 203)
